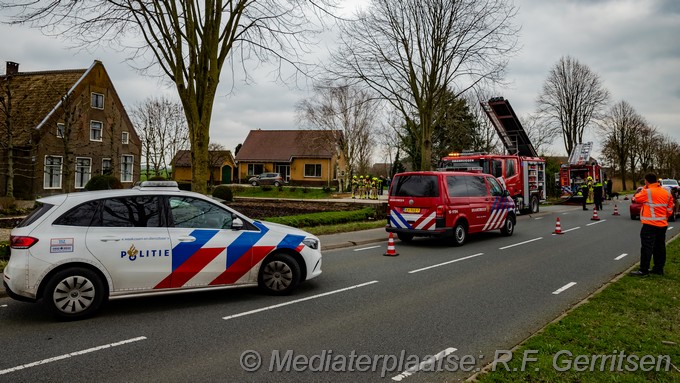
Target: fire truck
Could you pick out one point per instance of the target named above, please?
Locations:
(522, 171)
(575, 173)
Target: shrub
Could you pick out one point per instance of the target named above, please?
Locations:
(4, 250)
(223, 192)
(266, 188)
(186, 186)
(325, 218)
(157, 178)
(103, 182)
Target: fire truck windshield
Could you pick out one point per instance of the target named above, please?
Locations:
(465, 165)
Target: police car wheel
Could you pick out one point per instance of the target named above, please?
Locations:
(459, 234)
(508, 226)
(279, 274)
(74, 293)
(534, 204)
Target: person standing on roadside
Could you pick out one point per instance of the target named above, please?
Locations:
(597, 195)
(657, 205)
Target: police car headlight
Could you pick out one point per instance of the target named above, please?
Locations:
(312, 243)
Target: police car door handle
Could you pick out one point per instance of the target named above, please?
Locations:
(109, 238)
(186, 239)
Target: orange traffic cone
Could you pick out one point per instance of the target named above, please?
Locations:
(558, 227)
(616, 210)
(595, 217)
(391, 251)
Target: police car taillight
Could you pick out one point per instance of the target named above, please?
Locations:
(440, 211)
(22, 242)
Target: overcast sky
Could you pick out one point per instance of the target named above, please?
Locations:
(633, 45)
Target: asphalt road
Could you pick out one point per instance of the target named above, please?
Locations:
(374, 315)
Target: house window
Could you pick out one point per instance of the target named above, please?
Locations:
(95, 131)
(107, 166)
(255, 169)
(126, 162)
(83, 171)
(60, 130)
(52, 178)
(313, 170)
(97, 100)
(125, 138)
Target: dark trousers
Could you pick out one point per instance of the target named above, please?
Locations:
(653, 240)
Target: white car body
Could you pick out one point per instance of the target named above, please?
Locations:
(192, 242)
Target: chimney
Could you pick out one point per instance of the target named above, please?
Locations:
(12, 68)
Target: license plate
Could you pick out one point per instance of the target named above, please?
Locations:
(411, 210)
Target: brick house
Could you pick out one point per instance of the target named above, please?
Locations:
(61, 128)
(221, 163)
(303, 157)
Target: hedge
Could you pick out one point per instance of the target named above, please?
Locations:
(325, 218)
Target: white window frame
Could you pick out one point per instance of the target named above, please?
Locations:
(251, 169)
(320, 167)
(50, 177)
(125, 138)
(110, 167)
(61, 128)
(127, 168)
(92, 129)
(83, 174)
(94, 97)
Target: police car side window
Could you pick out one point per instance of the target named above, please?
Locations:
(476, 186)
(141, 211)
(191, 212)
(495, 187)
(81, 215)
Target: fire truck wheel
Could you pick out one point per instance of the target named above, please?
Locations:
(459, 234)
(508, 226)
(534, 204)
(405, 237)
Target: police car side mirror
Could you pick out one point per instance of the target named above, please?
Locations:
(236, 224)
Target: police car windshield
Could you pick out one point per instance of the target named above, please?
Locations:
(415, 186)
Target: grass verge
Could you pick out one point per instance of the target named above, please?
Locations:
(293, 192)
(638, 318)
(344, 227)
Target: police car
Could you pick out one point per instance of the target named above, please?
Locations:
(78, 250)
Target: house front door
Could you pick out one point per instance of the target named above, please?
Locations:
(284, 170)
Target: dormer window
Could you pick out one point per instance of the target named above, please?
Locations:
(97, 100)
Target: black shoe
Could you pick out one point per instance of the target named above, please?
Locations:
(638, 273)
(585, 208)
(656, 272)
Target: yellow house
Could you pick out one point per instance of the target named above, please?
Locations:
(221, 166)
(303, 157)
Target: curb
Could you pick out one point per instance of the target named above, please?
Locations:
(352, 243)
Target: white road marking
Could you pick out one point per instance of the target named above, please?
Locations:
(539, 218)
(367, 248)
(66, 356)
(297, 301)
(595, 223)
(521, 243)
(568, 230)
(3, 305)
(620, 257)
(429, 363)
(670, 227)
(561, 289)
(445, 263)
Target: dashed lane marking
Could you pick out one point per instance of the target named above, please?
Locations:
(595, 223)
(445, 263)
(620, 257)
(563, 288)
(521, 243)
(367, 248)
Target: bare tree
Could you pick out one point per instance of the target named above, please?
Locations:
(572, 97)
(163, 131)
(642, 151)
(189, 40)
(620, 127)
(410, 51)
(7, 129)
(668, 158)
(486, 139)
(349, 115)
(541, 134)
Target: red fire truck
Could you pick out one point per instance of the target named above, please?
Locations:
(575, 173)
(522, 171)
